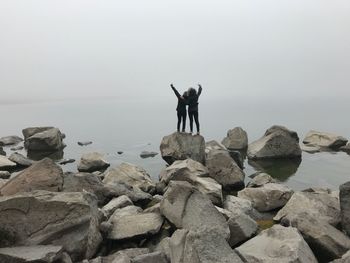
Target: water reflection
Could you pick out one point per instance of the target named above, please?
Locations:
(280, 169)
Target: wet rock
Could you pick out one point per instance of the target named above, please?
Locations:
(344, 198)
(43, 175)
(20, 160)
(155, 257)
(242, 228)
(10, 140)
(267, 197)
(324, 140)
(236, 139)
(66, 161)
(131, 175)
(146, 154)
(120, 152)
(91, 162)
(85, 143)
(4, 175)
(182, 146)
(277, 244)
(323, 206)
(259, 179)
(116, 203)
(6, 164)
(70, 220)
(46, 141)
(17, 148)
(277, 142)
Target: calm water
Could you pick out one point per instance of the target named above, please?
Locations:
(132, 126)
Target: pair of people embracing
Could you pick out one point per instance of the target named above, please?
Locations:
(190, 99)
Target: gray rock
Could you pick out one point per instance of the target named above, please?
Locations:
(310, 149)
(155, 257)
(214, 145)
(31, 254)
(2, 152)
(324, 140)
(47, 141)
(17, 148)
(131, 175)
(91, 162)
(318, 205)
(3, 182)
(345, 148)
(147, 154)
(327, 242)
(164, 247)
(196, 174)
(278, 142)
(242, 228)
(344, 198)
(277, 244)
(6, 164)
(43, 175)
(20, 160)
(116, 203)
(260, 179)
(124, 256)
(28, 132)
(85, 143)
(267, 197)
(224, 170)
(186, 207)
(182, 146)
(70, 220)
(10, 140)
(236, 139)
(66, 161)
(237, 205)
(345, 258)
(5, 175)
(191, 246)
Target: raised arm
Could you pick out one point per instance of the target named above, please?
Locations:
(199, 89)
(176, 92)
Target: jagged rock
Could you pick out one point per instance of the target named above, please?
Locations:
(345, 148)
(146, 154)
(224, 170)
(49, 140)
(2, 152)
(345, 258)
(91, 162)
(131, 175)
(277, 244)
(277, 142)
(10, 140)
(242, 228)
(192, 246)
(31, 254)
(196, 174)
(85, 143)
(6, 164)
(43, 175)
(116, 203)
(236, 205)
(236, 139)
(5, 175)
(214, 145)
(267, 197)
(155, 257)
(70, 220)
(324, 140)
(66, 161)
(259, 179)
(182, 146)
(318, 205)
(20, 160)
(326, 241)
(186, 207)
(344, 198)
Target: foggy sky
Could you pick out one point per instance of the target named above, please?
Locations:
(136, 48)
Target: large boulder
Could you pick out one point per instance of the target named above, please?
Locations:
(49, 140)
(277, 244)
(277, 142)
(317, 204)
(196, 174)
(70, 220)
(28, 132)
(91, 162)
(344, 198)
(324, 140)
(43, 175)
(236, 139)
(186, 207)
(6, 164)
(182, 146)
(191, 246)
(131, 175)
(224, 170)
(267, 197)
(10, 140)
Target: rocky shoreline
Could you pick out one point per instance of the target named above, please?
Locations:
(200, 210)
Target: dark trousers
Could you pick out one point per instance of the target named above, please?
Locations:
(193, 114)
(181, 116)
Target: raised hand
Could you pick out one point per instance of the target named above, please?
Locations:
(171, 85)
(199, 85)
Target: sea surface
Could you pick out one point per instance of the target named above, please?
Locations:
(136, 125)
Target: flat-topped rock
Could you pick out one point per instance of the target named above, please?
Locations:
(48, 140)
(236, 139)
(324, 140)
(10, 140)
(20, 160)
(91, 162)
(28, 132)
(6, 164)
(259, 179)
(182, 146)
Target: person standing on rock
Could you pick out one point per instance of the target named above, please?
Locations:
(181, 109)
(193, 97)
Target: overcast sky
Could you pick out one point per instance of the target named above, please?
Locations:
(84, 48)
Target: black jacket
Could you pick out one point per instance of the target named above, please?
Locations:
(182, 102)
(193, 101)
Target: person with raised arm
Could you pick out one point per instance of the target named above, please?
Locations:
(193, 97)
(181, 109)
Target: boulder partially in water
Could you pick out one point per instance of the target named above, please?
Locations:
(10, 140)
(43, 139)
(182, 146)
(91, 162)
(345, 148)
(277, 142)
(236, 139)
(324, 140)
